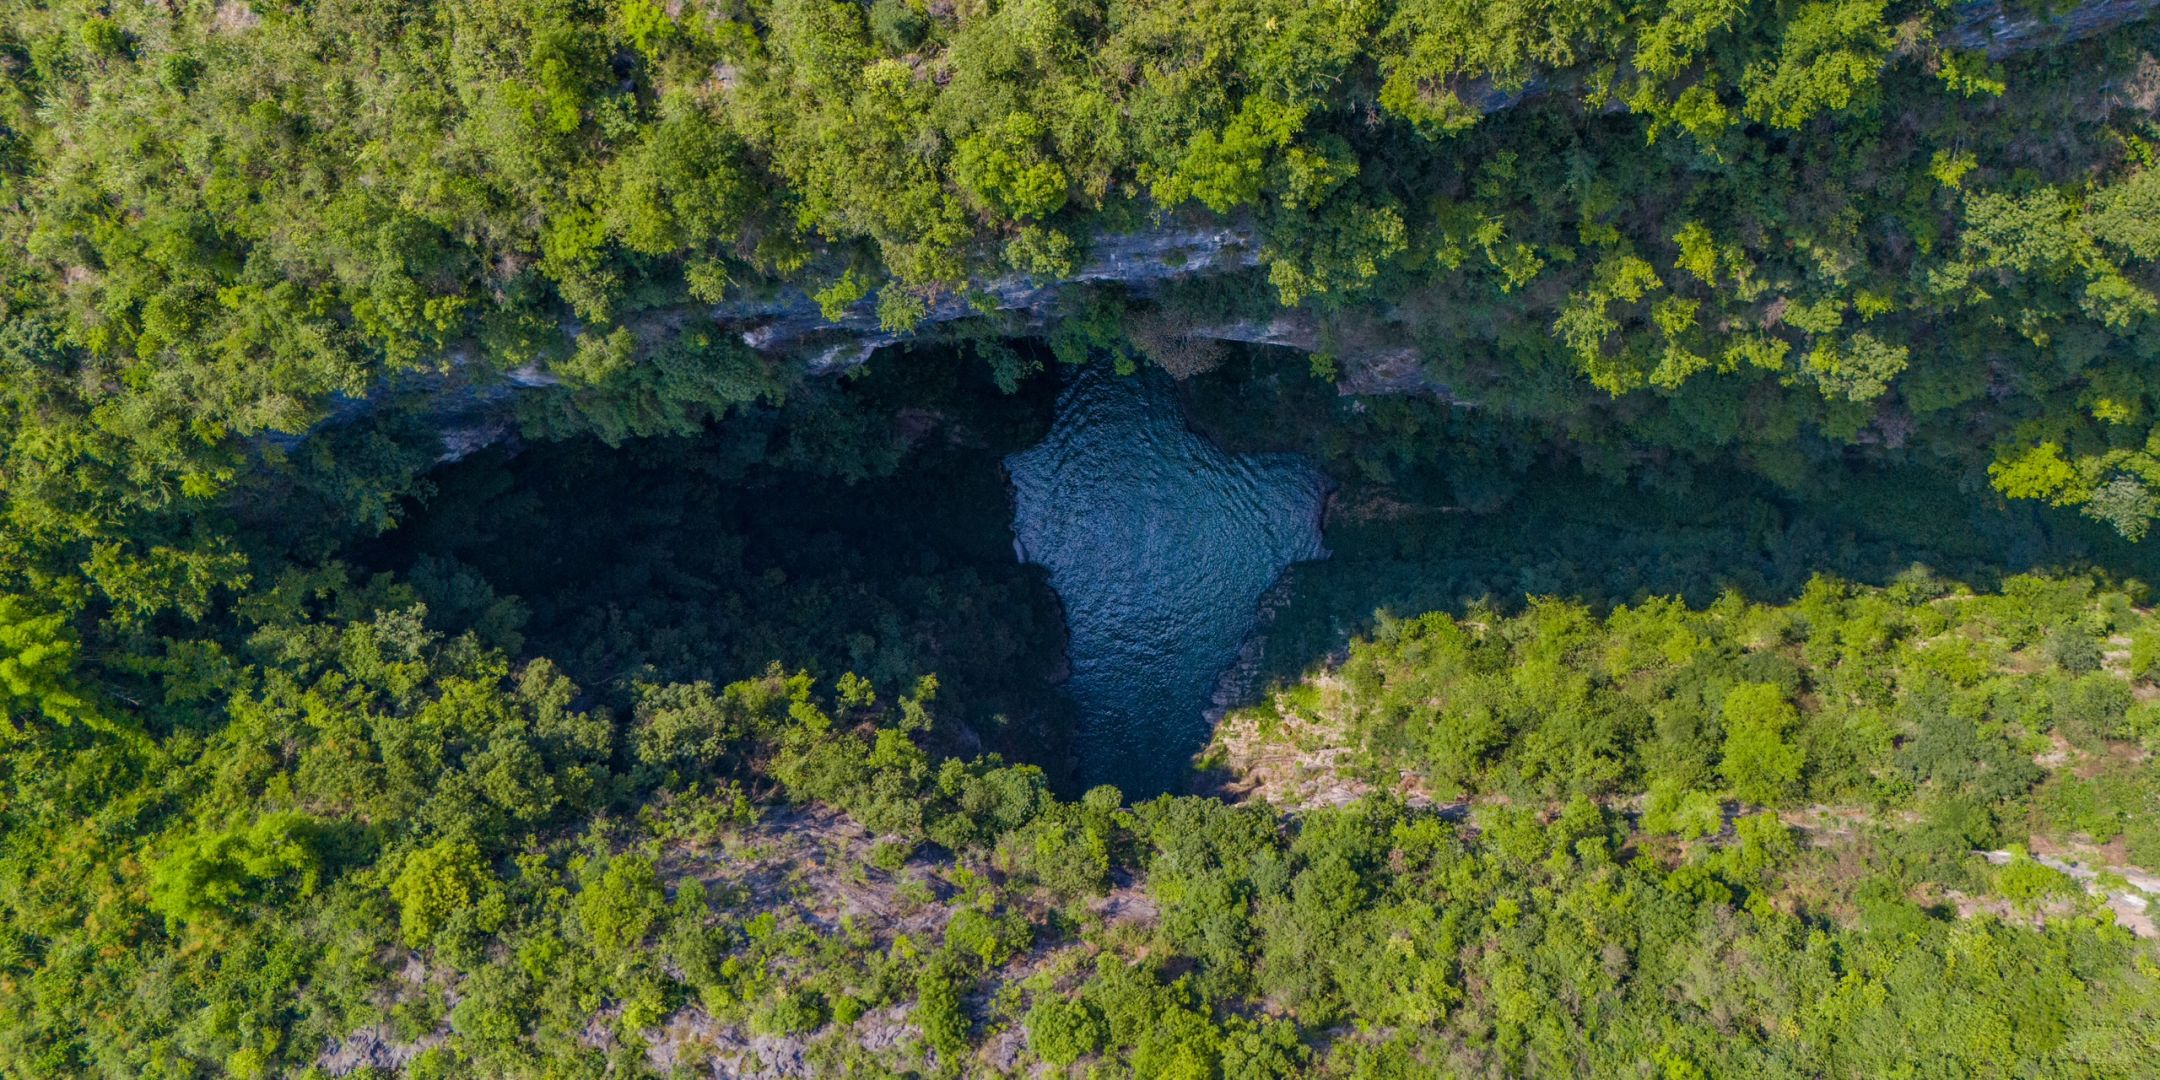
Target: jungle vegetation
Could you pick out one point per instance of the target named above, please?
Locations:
(1758, 549)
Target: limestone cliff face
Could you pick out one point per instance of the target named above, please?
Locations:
(790, 322)
(1376, 361)
(2002, 29)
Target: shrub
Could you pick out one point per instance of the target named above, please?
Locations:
(1062, 1032)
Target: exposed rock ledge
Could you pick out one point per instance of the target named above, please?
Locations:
(791, 322)
(1993, 26)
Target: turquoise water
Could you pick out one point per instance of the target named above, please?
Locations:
(1160, 545)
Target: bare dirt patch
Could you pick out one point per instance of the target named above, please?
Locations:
(1299, 757)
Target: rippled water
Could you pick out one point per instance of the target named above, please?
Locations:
(1160, 545)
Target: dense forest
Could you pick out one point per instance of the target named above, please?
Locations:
(505, 568)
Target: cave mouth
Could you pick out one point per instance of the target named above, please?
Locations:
(862, 526)
(1074, 562)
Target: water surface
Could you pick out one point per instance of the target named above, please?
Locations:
(1160, 546)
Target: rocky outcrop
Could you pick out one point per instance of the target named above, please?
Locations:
(1374, 357)
(2126, 890)
(790, 321)
(2003, 29)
